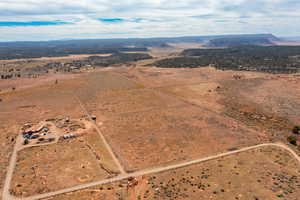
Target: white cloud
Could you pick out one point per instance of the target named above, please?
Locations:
(157, 18)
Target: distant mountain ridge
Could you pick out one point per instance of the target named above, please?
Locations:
(291, 39)
(132, 41)
(28, 49)
(246, 40)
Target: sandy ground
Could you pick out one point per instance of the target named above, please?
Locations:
(73, 160)
(23, 83)
(265, 173)
(152, 116)
(72, 57)
(173, 50)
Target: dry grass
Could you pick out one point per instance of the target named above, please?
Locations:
(170, 135)
(152, 117)
(46, 168)
(113, 103)
(267, 105)
(265, 173)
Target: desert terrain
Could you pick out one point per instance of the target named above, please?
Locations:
(135, 131)
(263, 173)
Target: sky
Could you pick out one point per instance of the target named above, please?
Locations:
(34, 20)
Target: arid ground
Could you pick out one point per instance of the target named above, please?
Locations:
(137, 118)
(264, 173)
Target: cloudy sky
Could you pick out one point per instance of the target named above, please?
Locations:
(69, 19)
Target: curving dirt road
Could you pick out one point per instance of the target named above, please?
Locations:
(157, 170)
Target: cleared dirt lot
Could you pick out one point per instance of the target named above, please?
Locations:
(42, 102)
(168, 135)
(265, 173)
(65, 164)
(39, 102)
(97, 82)
(202, 94)
(32, 104)
(114, 103)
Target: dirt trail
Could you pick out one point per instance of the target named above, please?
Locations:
(13, 160)
(102, 137)
(158, 170)
(10, 170)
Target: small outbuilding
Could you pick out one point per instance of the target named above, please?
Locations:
(93, 117)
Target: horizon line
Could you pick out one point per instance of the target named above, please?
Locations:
(126, 38)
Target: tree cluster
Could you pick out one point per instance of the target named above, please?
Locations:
(271, 59)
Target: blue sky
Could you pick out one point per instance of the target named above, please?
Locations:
(111, 20)
(31, 23)
(66, 19)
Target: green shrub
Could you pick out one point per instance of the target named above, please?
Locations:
(26, 141)
(296, 130)
(292, 140)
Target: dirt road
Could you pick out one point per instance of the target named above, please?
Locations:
(158, 170)
(102, 137)
(10, 170)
